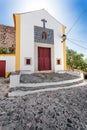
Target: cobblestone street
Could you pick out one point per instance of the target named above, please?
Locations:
(64, 109)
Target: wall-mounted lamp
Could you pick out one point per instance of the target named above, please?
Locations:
(63, 37)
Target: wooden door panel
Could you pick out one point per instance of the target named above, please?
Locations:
(41, 64)
(2, 68)
(44, 58)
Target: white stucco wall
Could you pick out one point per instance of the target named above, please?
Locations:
(27, 45)
(10, 63)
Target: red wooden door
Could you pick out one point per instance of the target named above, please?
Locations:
(44, 58)
(2, 68)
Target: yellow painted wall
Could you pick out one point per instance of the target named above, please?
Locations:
(7, 74)
(7, 54)
(64, 48)
(17, 25)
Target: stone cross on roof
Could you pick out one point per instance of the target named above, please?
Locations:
(44, 21)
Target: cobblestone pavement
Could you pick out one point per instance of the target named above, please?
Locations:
(52, 110)
(45, 77)
(4, 86)
(64, 109)
(34, 78)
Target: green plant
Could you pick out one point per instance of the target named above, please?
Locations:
(75, 60)
(3, 50)
(11, 50)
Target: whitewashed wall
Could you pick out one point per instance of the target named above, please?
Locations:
(28, 21)
(10, 62)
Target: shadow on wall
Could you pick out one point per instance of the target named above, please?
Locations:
(85, 75)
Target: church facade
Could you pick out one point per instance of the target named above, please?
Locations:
(39, 46)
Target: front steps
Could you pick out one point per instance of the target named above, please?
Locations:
(29, 88)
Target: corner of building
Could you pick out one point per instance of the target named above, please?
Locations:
(17, 27)
(64, 48)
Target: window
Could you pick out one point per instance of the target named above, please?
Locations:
(44, 35)
(58, 61)
(27, 61)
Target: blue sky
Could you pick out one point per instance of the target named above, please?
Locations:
(65, 11)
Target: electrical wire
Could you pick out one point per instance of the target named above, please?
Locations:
(76, 20)
(77, 44)
(77, 40)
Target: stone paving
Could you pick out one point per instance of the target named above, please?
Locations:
(24, 89)
(4, 86)
(63, 109)
(38, 82)
(46, 77)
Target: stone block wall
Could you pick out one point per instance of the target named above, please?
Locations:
(7, 38)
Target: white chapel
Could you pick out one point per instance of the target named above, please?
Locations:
(39, 44)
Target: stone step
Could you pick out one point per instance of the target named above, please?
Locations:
(46, 83)
(30, 88)
(21, 91)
